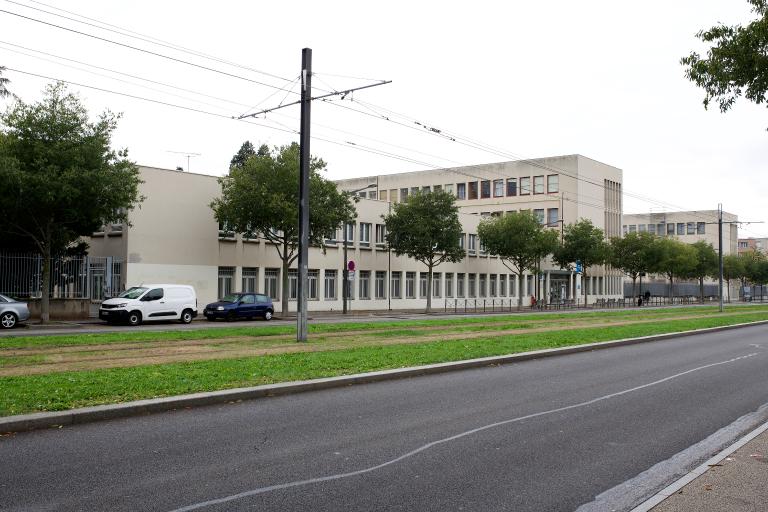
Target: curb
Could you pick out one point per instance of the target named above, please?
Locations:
(695, 473)
(40, 420)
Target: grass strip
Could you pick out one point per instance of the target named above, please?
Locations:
(319, 328)
(67, 390)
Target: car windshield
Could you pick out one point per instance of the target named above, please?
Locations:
(232, 297)
(133, 293)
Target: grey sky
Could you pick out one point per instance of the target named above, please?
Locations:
(531, 79)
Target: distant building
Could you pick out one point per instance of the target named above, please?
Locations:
(688, 227)
(753, 244)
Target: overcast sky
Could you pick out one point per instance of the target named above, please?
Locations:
(528, 79)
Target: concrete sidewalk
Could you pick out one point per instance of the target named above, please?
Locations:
(734, 481)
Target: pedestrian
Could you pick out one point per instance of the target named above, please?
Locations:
(647, 296)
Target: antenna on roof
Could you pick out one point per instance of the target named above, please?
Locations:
(185, 153)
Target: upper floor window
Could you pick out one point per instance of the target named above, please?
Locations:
(461, 191)
(448, 187)
(381, 233)
(538, 184)
(365, 234)
(498, 188)
(701, 228)
(539, 213)
(691, 228)
(553, 183)
(403, 195)
(485, 189)
(680, 228)
(472, 190)
(511, 186)
(525, 186)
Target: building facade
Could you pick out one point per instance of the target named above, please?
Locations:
(753, 244)
(173, 237)
(688, 227)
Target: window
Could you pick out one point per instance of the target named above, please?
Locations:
(410, 285)
(472, 244)
(361, 194)
(483, 285)
(394, 288)
(250, 279)
(448, 187)
(471, 285)
(349, 233)
(437, 187)
(312, 278)
(539, 214)
(381, 285)
(498, 188)
(403, 195)
(414, 191)
(553, 183)
(372, 194)
(381, 232)
(482, 248)
(525, 186)
(485, 189)
(462, 238)
(422, 284)
(652, 229)
(271, 287)
(494, 285)
(461, 191)
(680, 228)
(553, 217)
(472, 190)
(330, 285)
(365, 234)
(502, 285)
(331, 237)
(511, 186)
(460, 285)
(700, 228)
(448, 284)
(426, 189)
(538, 184)
(691, 228)
(293, 284)
(641, 228)
(383, 195)
(365, 284)
(226, 280)
(660, 229)
(436, 280)
(670, 229)
(633, 228)
(624, 229)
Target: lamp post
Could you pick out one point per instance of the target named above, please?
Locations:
(345, 271)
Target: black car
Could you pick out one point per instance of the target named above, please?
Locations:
(240, 305)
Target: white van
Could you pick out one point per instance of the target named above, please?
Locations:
(150, 302)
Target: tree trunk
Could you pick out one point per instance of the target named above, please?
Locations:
(584, 284)
(670, 287)
(45, 293)
(519, 290)
(429, 288)
(701, 290)
(634, 281)
(284, 291)
(728, 285)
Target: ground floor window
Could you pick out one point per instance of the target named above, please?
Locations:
(250, 279)
(394, 289)
(483, 285)
(410, 285)
(436, 280)
(381, 284)
(312, 278)
(226, 280)
(502, 285)
(422, 284)
(460, 285)
(494, 285)
(293, 284)
(329, 293)
(365, 284)
(448, 285)
(271, 283)
(472, 291)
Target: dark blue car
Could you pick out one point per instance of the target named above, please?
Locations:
(240, 305)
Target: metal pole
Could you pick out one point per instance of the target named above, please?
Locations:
(720, 251)
(344, 274)
(306, 97)
(389, 260)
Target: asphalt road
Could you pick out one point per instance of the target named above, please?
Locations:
(599, 430)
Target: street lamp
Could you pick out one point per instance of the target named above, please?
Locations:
(345, 271)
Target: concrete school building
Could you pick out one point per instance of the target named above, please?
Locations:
(173, 237)
(689, 227)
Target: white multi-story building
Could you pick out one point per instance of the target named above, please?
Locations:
(173, 237)
(688, 227)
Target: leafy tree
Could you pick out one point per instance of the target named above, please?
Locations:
(262, 196)
(426, 227)
(584, 243)
(674, 259)
(247, 151)
(632, 254)
(4, 92)
(733, 268)
(756, 268)
(706, 264)
(520, 240)
(736, 64)
(61, 179)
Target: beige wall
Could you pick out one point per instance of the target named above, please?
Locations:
(709, 217)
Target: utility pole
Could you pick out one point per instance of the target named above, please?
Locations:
(720, 252)
(304, 137)
(306, 104)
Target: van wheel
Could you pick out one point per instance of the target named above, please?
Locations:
(8, 320)
(186, 316)
(134, 318)
(268, 315)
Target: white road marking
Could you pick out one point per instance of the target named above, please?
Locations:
(339, 476)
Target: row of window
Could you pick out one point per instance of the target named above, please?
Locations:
(661, 229)
(372, 284)
(483, 189)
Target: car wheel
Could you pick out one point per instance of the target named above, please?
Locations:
(186, 316)
(230, 316)
(268, 315)
(8, 320)
(134, 318)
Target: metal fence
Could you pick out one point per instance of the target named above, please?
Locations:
(72, 277)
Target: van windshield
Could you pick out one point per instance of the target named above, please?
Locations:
(133, 293)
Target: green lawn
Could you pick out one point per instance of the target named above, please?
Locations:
(66, 390)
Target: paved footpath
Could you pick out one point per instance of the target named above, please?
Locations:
(737, 483)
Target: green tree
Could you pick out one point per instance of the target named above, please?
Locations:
(632, 254)
(583, 243)
(4, 92)
(61, 179)
(262, 196)
(520, 240)
(733, 268)
(426, 227)
(706, 264)
(247, 151)
(737, 62)
(674, 259)
(756, 268)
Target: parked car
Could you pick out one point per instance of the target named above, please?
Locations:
(12, 312)
(151, 302)
(240, 305)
